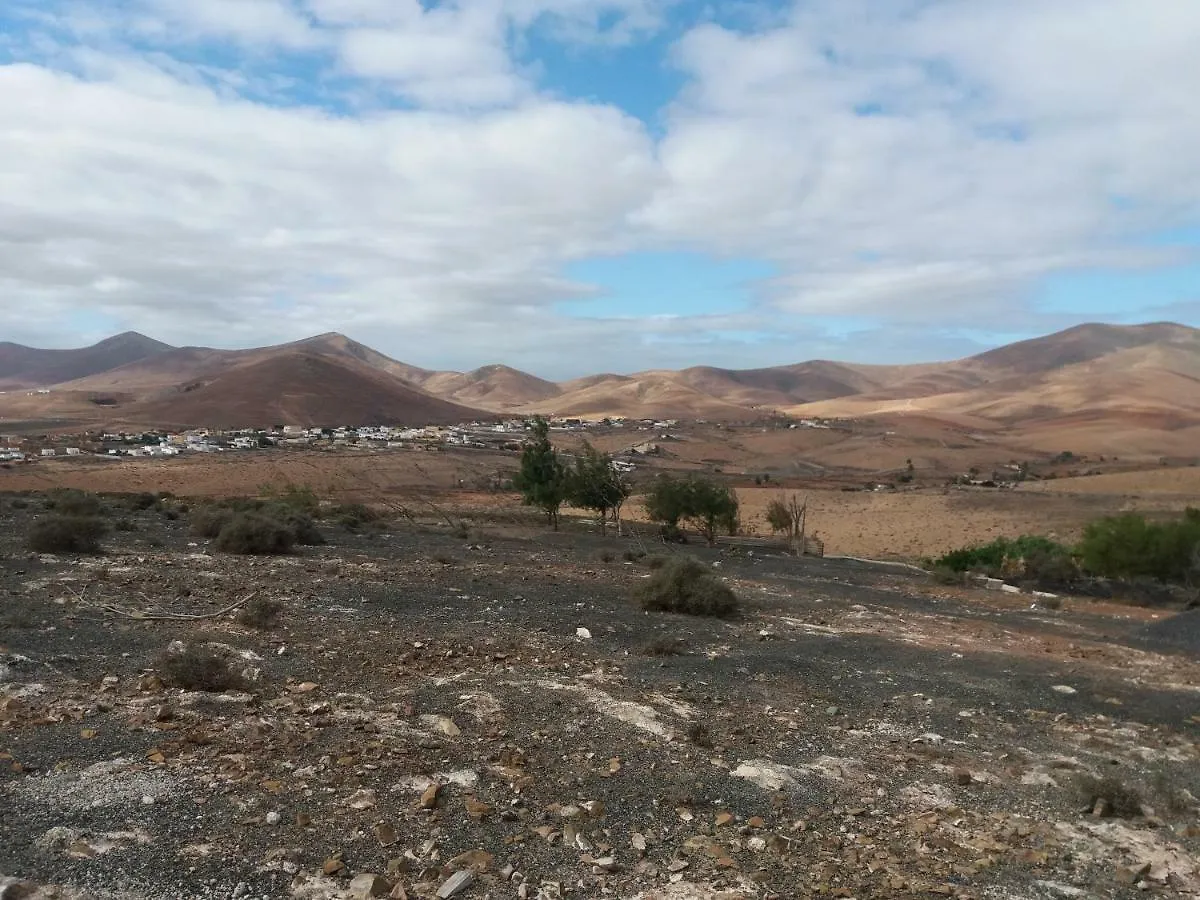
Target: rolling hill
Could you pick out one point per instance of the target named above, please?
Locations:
(1141, 377)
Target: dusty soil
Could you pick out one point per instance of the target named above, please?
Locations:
(427, 705)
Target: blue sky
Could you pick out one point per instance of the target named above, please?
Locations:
(568, 186)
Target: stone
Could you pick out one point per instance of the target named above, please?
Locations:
(442, 725)
(477, 809)
(1064, 689)
(273, 818)
(832, 711)
(367, 885)
(398, 893)
(305, 687)
(639, 842)
(429, 797)
(385, 834)
(479, 860)
(962, 777)
(456, 884)
(333, 865)
(362, 799)
(677, 865)
(1133, 874)
(583, 633)
(723, 819)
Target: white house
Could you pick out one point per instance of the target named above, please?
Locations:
(74, 451)
(49, 451)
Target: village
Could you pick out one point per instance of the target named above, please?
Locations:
(503, 436)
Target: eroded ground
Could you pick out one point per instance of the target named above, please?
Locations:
(428, 717)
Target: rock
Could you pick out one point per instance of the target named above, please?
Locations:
(832, 711)
(333, 865)
(477, 809)
(362, 799)
(723, 819)
(15, 889)
(385, 834)
(398, 893)
(273, 818)
(456, 884)
(1132, 874)
(583, 633)
(443, 725)
(604, 865)
(367, 885)
(639, 842)
(305, 687)
(962, 777)
(677, 865)
(1064, 689)
(1102, 809)
(479, 860)
(429, 798)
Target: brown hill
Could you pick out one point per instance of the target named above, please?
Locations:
(26, 367)
(294, 387)
(494, 387)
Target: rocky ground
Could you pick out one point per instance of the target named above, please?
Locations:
(434, 716)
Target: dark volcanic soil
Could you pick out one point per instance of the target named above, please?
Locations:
(429, 705)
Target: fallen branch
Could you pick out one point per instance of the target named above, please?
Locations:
(142, 616)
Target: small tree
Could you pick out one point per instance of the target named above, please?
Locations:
(705, 504)
(789, 517)
(542, 479)
(595, 484)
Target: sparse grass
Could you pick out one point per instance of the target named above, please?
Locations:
(354, 517)
(67, 534)
(19, 503)
(665, 646)
(200, 669)
(261, 613)
(304, 530)
(445, 559)
(255, 534)
(687, 586)
(125, 524)
(1122, 800)
(606, 556)
(633, 555)
(656, 561)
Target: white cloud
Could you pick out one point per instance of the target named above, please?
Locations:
(900, 162)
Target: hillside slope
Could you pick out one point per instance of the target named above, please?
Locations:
(28, 367)
(295, 387)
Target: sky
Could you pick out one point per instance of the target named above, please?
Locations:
(576, 186)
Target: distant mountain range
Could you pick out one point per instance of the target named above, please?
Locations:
(1089, 373)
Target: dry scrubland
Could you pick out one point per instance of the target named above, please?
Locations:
(908, 524)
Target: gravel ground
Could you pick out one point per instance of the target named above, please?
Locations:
(481, 717)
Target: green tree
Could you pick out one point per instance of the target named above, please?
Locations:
(542, 479)
(596, 485)
(706, 505)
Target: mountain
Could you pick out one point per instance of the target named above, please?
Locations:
(1143, 377)
(298, 387)
(29, 367)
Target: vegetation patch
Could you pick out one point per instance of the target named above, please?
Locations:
(685, 585)
(200, 669)
(1109, 795)
(70, 502)
(255, 534)
(260, 612)
(67, 534)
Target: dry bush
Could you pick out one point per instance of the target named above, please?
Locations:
(944, 575)
(125, 524)
(200, 669)
(665, 646)
(255, 534)
(606, 556)
(697, 733)
(1123, 801)
(67, 534)
(260, 612)
(685, 585)
(208, 521)
(304, 530)
(70, 502)
(445, 559)
(656, 562)
(633, 555)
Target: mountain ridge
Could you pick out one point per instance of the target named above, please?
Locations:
(1049, 375)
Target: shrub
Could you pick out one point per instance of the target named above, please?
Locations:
(255, 534)
(353, 517)
(70, 502)
(657, 561)
(1128, 546)
(139, 502)
(633, 555)
(199, 669)
(67, 534)
(991, 558)
(704, 503)
(607, 556)
(946, 575)
(304, 530)
(685, 585)
(1122, 800)
(665, 646)
(125, 524)
(19, 503)
(299, 497)
(697, 733)
(260, 612)
(207, 521)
